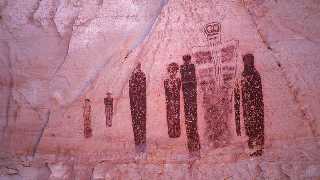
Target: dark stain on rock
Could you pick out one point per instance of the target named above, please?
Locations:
(279, 65)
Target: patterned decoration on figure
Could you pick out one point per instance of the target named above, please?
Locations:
(108, 103)
(213, 33)
(216, 71)
(87, 118)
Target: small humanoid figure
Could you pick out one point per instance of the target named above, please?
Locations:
(138, 106)
(189, 88)
(87, 118)
(253, 106)
(108, 102)
(172, 87)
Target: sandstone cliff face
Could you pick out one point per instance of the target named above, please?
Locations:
(55, 54)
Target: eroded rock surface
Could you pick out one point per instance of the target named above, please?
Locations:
(55, 54)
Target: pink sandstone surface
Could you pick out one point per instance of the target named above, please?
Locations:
(56, 53)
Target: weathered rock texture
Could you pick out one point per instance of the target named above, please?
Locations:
(56, 53)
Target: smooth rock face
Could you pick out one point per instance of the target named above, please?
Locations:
(55, 54)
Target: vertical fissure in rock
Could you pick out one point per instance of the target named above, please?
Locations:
(305, 114)
(45, 117)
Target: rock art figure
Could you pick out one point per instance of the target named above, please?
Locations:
(237, 109)
(87, 118)
(216, 71)
(138, 105)
(108, 102)
(172, 87)
(253, 106)
(216, 104)
(189, 88)
(213, 32)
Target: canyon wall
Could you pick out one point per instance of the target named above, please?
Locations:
(56, 54)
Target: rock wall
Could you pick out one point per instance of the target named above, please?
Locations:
(56, 54)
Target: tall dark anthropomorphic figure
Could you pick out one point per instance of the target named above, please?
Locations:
(138, 106)
(252, 103)
(108, 103)
(87, 119)
(189, 88)
(172, 87)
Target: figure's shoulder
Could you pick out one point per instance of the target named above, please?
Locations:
(187, 66)
(258, 75)
(131, 77)
(142, 74)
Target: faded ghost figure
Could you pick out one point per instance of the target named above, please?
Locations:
(216, 112)
(252, 103)
(108, 102)
(189, 88)
(138, 105)
(87, 118)
(172, 87)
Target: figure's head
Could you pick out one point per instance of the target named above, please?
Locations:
(108, 94)
(173, 69)
(138, 66)
(186, 59)
(87, 101)
(248, 61)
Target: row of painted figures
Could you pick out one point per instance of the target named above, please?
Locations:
(252, 103)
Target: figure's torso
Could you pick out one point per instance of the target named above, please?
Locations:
(172, 87)
(188, 73)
